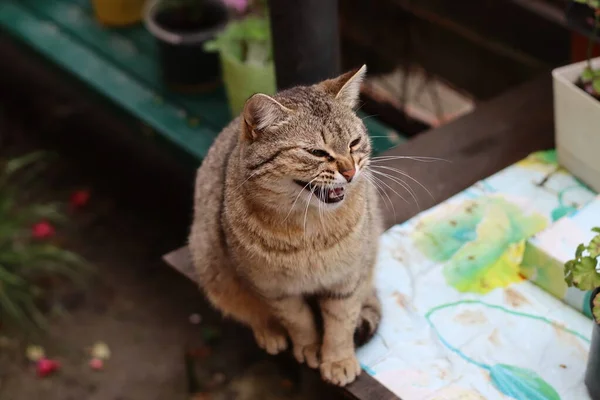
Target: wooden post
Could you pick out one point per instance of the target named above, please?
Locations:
(305, 41)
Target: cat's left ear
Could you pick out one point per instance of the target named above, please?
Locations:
(346, 87)
(262, 113)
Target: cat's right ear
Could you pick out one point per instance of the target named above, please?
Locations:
(262, 113)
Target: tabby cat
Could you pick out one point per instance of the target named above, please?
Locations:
(284, 212)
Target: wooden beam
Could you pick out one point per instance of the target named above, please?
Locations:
(497, 134)
(306, 42)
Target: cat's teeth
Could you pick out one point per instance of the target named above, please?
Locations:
(335, 193)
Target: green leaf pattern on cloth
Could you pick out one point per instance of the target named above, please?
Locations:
(521, 383)
(482, 242)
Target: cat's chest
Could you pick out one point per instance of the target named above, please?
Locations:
(311, 270)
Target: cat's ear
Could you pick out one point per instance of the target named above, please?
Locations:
(261, 113)
(346, 87)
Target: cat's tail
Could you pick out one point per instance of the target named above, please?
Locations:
(368, 321)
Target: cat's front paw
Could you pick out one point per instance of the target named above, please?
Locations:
(308, 353)
(341, 372)
(272, 340)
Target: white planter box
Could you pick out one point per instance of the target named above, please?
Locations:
(577, 125)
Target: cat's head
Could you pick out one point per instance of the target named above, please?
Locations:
(307, 143)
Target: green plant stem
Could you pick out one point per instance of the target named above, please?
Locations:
(592, 39)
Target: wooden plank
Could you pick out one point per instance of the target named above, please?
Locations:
(550, 12)
(498, 134)
(181, 260)
(136, 98)
(438, 49)
(364, 388)
(121, 65)
(133, 51)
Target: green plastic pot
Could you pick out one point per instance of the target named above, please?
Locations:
(243, 80)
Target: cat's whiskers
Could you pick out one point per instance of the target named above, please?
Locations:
(247, 179)
(297, 197)
(389, 187)
(306, 213)
(320, 210)
(404, 174)
(400, 182)
(413, 158)
(377, 187)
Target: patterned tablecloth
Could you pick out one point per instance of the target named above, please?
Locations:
(461, 320)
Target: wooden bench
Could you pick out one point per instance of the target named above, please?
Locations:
(120, 66)
(498, 134)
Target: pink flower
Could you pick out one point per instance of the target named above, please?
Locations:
(43, 230)
(96, 364)
(46, 366)
(79, 198)
(238, 5)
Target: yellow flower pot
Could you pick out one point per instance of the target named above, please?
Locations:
(244, 80)
(118, 12)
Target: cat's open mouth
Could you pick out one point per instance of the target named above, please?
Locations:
(326, 195)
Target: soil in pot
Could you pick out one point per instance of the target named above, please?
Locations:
(588, 88)
(592, 373)
(181, 32)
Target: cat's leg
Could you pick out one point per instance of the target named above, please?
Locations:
(368, 319)
(237, 301)
(296, 316)
(341, 308)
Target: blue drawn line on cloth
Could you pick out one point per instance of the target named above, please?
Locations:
(518, 383)
(487, 186)
(367, 369)
(564, 209)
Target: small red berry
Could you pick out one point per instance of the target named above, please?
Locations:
(79, 198)
(43, 230)
(96, 364)
(45, 367)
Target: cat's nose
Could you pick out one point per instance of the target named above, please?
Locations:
(349, 174)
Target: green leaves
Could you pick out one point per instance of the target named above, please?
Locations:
(582, 271)
(591, 76)
(596, 86)
(585, 276)
(594, 247)
(27, 264)
(248, 40)
(592, 3)
(587, 75)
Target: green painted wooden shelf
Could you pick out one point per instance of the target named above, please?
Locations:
(121, 65)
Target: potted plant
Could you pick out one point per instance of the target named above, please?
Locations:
(577, 111)
(246, 54)
(580, 16)
(582, 273)
(118, 12)
(182, 27)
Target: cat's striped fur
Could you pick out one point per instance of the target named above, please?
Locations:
(271, 228)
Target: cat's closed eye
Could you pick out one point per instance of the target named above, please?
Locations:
(354, 143)
(320, 153)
